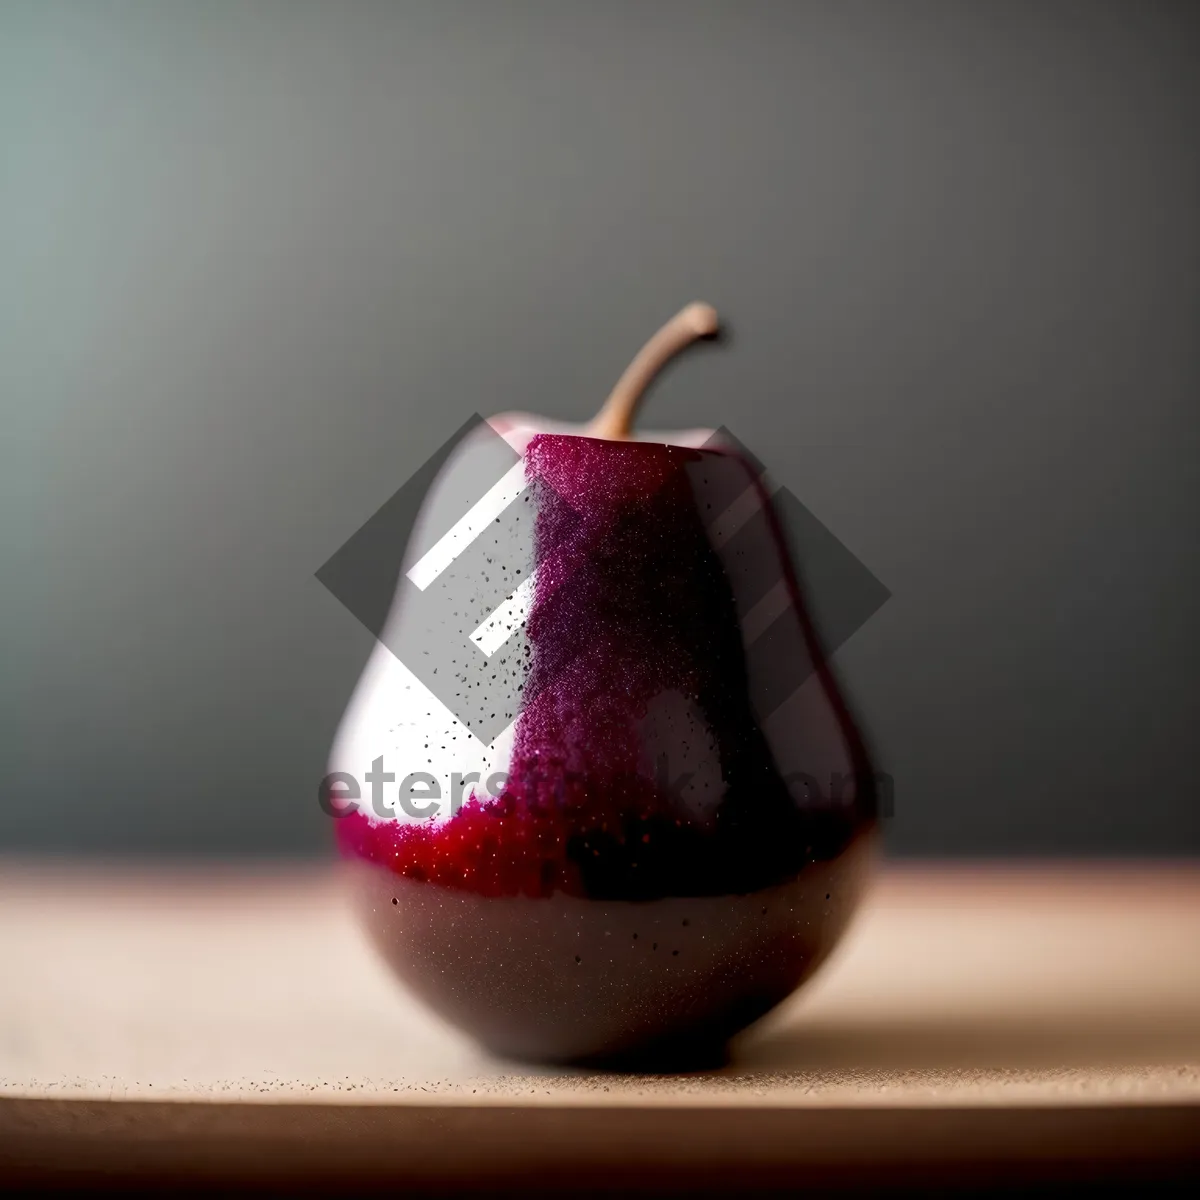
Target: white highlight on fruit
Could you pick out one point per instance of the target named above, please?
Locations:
(506, 619)
(393, 716)
(468, 527)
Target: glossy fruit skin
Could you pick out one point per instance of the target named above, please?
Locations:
(660, 983)
(598, 909)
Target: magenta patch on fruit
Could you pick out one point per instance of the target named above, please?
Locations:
(636, 658)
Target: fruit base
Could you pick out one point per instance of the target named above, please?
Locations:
(565, 979)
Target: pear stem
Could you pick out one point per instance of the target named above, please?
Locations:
(615, 418)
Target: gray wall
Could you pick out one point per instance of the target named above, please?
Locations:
(260, 259)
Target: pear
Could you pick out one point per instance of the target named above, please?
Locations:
(612, 805)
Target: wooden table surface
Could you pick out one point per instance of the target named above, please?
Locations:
(233, 1026)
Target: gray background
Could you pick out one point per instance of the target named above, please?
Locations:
(260, 259)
